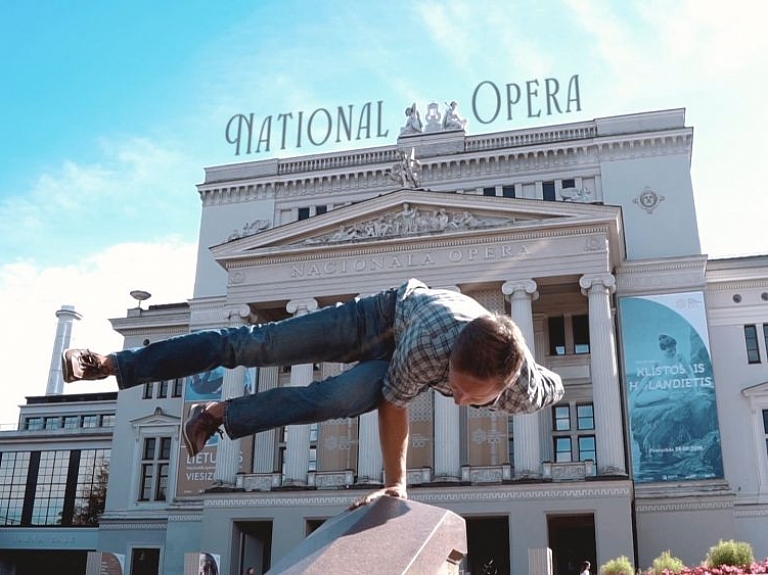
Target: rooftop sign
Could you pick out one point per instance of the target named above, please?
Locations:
(490, 102)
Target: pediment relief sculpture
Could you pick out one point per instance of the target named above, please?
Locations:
(583, 195)
(249, 229)
(411, 221)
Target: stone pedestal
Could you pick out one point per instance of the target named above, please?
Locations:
(387, 537)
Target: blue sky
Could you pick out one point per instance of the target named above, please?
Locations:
(112, 110)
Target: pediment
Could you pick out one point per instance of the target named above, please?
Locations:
(408, 214)
(157, 419)
(755, 391)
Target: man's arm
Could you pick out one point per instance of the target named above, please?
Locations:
(393, 435)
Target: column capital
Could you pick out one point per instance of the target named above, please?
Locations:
(597, 281)
(520, 288)
(237, 313)
(301, 306)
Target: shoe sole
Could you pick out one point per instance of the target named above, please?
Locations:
(194, 412)
(66, 369)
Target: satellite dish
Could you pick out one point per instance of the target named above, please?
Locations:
(140, 295)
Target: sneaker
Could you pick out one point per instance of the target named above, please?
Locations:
(77, 364)
(199, 428)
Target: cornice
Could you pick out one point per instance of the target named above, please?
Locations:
(130, 526)
(495, 493)
(503, 154)
(685, 506)
(664, 275)
(751, 511)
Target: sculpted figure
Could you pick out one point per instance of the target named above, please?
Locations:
(451, 118)
(413, 121)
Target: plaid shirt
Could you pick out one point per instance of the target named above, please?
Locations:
(427, 322)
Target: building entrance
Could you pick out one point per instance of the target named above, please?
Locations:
(487, 546)
(572, 540)
(255, 539)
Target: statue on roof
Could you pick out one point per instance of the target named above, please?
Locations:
(451, 119)
(407, 170)
(413, 121)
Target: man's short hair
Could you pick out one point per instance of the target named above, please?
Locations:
(490, 347)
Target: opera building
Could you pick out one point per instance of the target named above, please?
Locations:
(584, 233)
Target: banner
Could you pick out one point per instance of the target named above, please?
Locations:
(196, 473)
(670, 388)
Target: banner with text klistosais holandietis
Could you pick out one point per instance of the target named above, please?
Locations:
(670, 388)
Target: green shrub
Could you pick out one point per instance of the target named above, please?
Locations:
(665, 561)
(619, 566)
(733, 553)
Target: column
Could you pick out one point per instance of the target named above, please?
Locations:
(526, 426)
(447, 440)
(297, 436)
(228, 450)
(606, 397)
(67, 316)
(447, 434)
(264, 442)
(369, 460)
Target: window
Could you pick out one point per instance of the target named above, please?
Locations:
(178, 387)
(162, 389)
(587, 448)
(489, 191)
(765, 428)
(765, 336)
(556, 335)
(580, 325)
(321, 209)
(750, 338)
(303, 213)
(52, 423)
(568, 334)
(91, 492)
(148, 387)
(585, 416)
(548, 189)
(570, 183)
(14, 468)
(155, 465)
(91, 420)
(33, 423)
(562, 417)
(108, 420)
(48, 508)
(71, 421)
(562, 449)
(565, 436)
(508, 191)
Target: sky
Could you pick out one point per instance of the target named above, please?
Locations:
(111, 111)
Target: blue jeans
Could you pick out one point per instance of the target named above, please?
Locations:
(361, 330)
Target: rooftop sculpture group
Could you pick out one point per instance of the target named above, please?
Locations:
(449, 120)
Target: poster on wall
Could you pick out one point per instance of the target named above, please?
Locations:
(196, 473)
(670, 388)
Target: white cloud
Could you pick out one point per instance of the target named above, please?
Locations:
(136, 190)
(98, 286)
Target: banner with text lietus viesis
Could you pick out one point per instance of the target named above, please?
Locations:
(196, 473)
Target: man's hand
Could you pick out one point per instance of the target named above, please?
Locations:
(393, 491)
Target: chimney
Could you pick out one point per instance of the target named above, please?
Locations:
(66, 315)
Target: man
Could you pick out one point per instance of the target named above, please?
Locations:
(405, 340)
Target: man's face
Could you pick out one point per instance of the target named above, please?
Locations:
(469, 390)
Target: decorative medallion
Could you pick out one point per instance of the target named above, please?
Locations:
(648, 200)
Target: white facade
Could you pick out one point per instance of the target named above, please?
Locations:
(555, 226)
